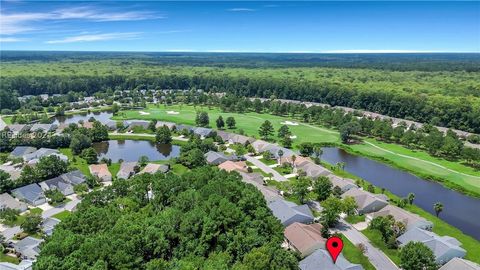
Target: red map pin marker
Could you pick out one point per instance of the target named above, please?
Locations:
(334, 247)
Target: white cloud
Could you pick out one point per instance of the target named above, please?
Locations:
(15, 23)
(377, 51)
(11, 39)
(97, 37)
(241, 10)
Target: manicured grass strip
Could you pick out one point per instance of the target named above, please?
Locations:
(114, 168)
(354, 219)
(179, 169)
(62, 215)
(36, 210)
(6, 258)
(375, 238)
(354, 255)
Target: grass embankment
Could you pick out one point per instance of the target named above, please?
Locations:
(440, 227)
(452, 174)
(355, 255)
(62, 215)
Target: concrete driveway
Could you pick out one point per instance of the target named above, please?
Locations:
(262, 166)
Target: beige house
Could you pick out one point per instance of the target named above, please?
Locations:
(304, 238)
(101, 171)
(229, 166)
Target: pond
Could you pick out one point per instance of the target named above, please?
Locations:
(459, 210)
(68, 119)
(131, 150)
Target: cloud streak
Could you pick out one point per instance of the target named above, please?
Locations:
(97, 37)
(241, 9)
(11, 39)
(15, 23)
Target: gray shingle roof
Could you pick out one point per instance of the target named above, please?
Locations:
(7, 201)
(460, 264)
(288, 212)
(19, 151)
(28, 247)
(59, 184)
(74, 177)
(30, 193)
(320, 260)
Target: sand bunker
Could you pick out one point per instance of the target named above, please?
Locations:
(293, 137)
(290, 123)
(172, 112)
(144, 113)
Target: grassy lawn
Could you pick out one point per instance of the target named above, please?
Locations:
(354, 255)
(62, 215)
(179, 169)
(114, 168)
(440, 227)
(354, 219)
(6, 258)
(375, 238)
(283, 170)
(417, 162)
(79, 162)
(268, 161)
(36, 210)
(20, 219)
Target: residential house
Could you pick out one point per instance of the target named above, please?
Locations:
(49, 224)
(16, 129)
(299, 160)
(45, 128)
(229, 166)
(127, 170)
(23, 265)
(43, 152)
(409, 219)
(288, 212)
(269, 193)
(74, 177)
(321, 259)
(184, 128)
(460, 264)
(14, 170)
(216, 158)
(366, 201)
(312, 170)
(444, 248)
(59, 184)
(28, 247)
(170, 125)
(110, 124)
(240, 139)
(31, 194)
(87, 124)
(260, 146)
(44, 97)
(152, 168)
(202, 132)
(225, 135)
(20, 151)
(101, 171)
(7, 201)
(136, 123)
(343, 183)
(304, 238)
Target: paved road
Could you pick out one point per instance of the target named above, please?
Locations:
(276, 175)
(376, 257)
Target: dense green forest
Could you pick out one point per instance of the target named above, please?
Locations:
(205, 219)
(445, 98)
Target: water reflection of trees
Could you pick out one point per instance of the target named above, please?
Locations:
(164, 149)
(101, 147)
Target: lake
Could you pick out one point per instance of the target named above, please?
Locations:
(131, 150)
(68, 119)
(459, 210)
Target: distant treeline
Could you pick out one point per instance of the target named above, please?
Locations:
(469, 62)
(447, 98)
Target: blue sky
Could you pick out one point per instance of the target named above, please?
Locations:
(241, 26)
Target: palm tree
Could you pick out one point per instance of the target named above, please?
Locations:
(340, 165)
(293, 160)
(317, 150)
(438, 207)
(280, 155)
(411, 197)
